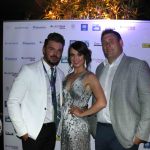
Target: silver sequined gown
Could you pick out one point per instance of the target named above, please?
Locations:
(75, 131)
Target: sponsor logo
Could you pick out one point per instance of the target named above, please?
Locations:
(10, 59)
(97, 44)
(41, 42)
(7, 119)
(9, 133)
(5, 103)
(28, 43)
(39, 27)
(113, 28)
(14, 74)
(128, 27)
(97, 60)
(11, 147)
(96, 27)
(73, 26)
(64, 59)
(72, 41)
(7, 89)
(85, 41)
(147, 145)
(21, 27)
(58, 26)
(84, 27)
(146, 45)
(28, 58)
(11, 43)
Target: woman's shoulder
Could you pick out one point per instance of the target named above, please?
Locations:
(90, 75)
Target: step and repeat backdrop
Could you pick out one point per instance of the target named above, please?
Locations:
(23, 42)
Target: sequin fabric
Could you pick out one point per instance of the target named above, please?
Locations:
(75, 130)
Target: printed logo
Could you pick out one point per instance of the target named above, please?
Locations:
(64, 59)
(21, 27)
(127, 27)
(39, 27)
(113, 28)
(28, 43)
(97, 60)
(97, 44)
(11, 147)
(9, 133)
(41, 42)
(7, 119)
(14, 74)
(147, 145)
(11, 43)
(10, 59)
(84, 27)
(72, 41)
(146, 45)
(85, 41)
(73, 26)
(5, 103)
(28, 58)
(58, 26)
(96, 27)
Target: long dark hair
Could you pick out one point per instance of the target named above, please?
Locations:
(81, 48)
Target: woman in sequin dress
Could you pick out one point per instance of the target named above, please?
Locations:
(78, 87)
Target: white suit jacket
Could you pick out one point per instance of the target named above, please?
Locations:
(27, 100)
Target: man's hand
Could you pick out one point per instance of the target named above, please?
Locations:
(25, 137)
(137, 141)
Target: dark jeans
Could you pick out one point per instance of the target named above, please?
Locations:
(45, 141)
(106, 139)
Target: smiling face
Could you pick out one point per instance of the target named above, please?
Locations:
(52, 52)
(112, 46)
(77, 59)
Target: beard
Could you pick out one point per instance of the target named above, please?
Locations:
(52, 61)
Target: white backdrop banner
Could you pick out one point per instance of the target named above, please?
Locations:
(23, 42)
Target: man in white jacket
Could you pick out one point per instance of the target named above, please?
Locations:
(30, 103)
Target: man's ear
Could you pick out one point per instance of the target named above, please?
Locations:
(121, 42)
(43, 50)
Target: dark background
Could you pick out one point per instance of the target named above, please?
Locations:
(12, 10)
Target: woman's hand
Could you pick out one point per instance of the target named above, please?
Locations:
(76, 111)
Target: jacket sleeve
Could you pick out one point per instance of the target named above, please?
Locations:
(143, 130)
(17, 93)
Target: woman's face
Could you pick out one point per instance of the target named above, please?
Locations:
(77, 59)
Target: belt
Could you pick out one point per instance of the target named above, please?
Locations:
(104, 124)
(48, 124)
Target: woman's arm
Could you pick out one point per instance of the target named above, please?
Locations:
(100, 100)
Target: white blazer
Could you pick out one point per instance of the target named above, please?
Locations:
(27, 100)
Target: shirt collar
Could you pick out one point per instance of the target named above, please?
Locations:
(115, 62)
(47, 67)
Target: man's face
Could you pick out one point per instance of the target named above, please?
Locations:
(112, 47)
(52, 52)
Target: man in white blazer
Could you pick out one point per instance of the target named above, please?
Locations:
(30, 104)
(125, 122)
